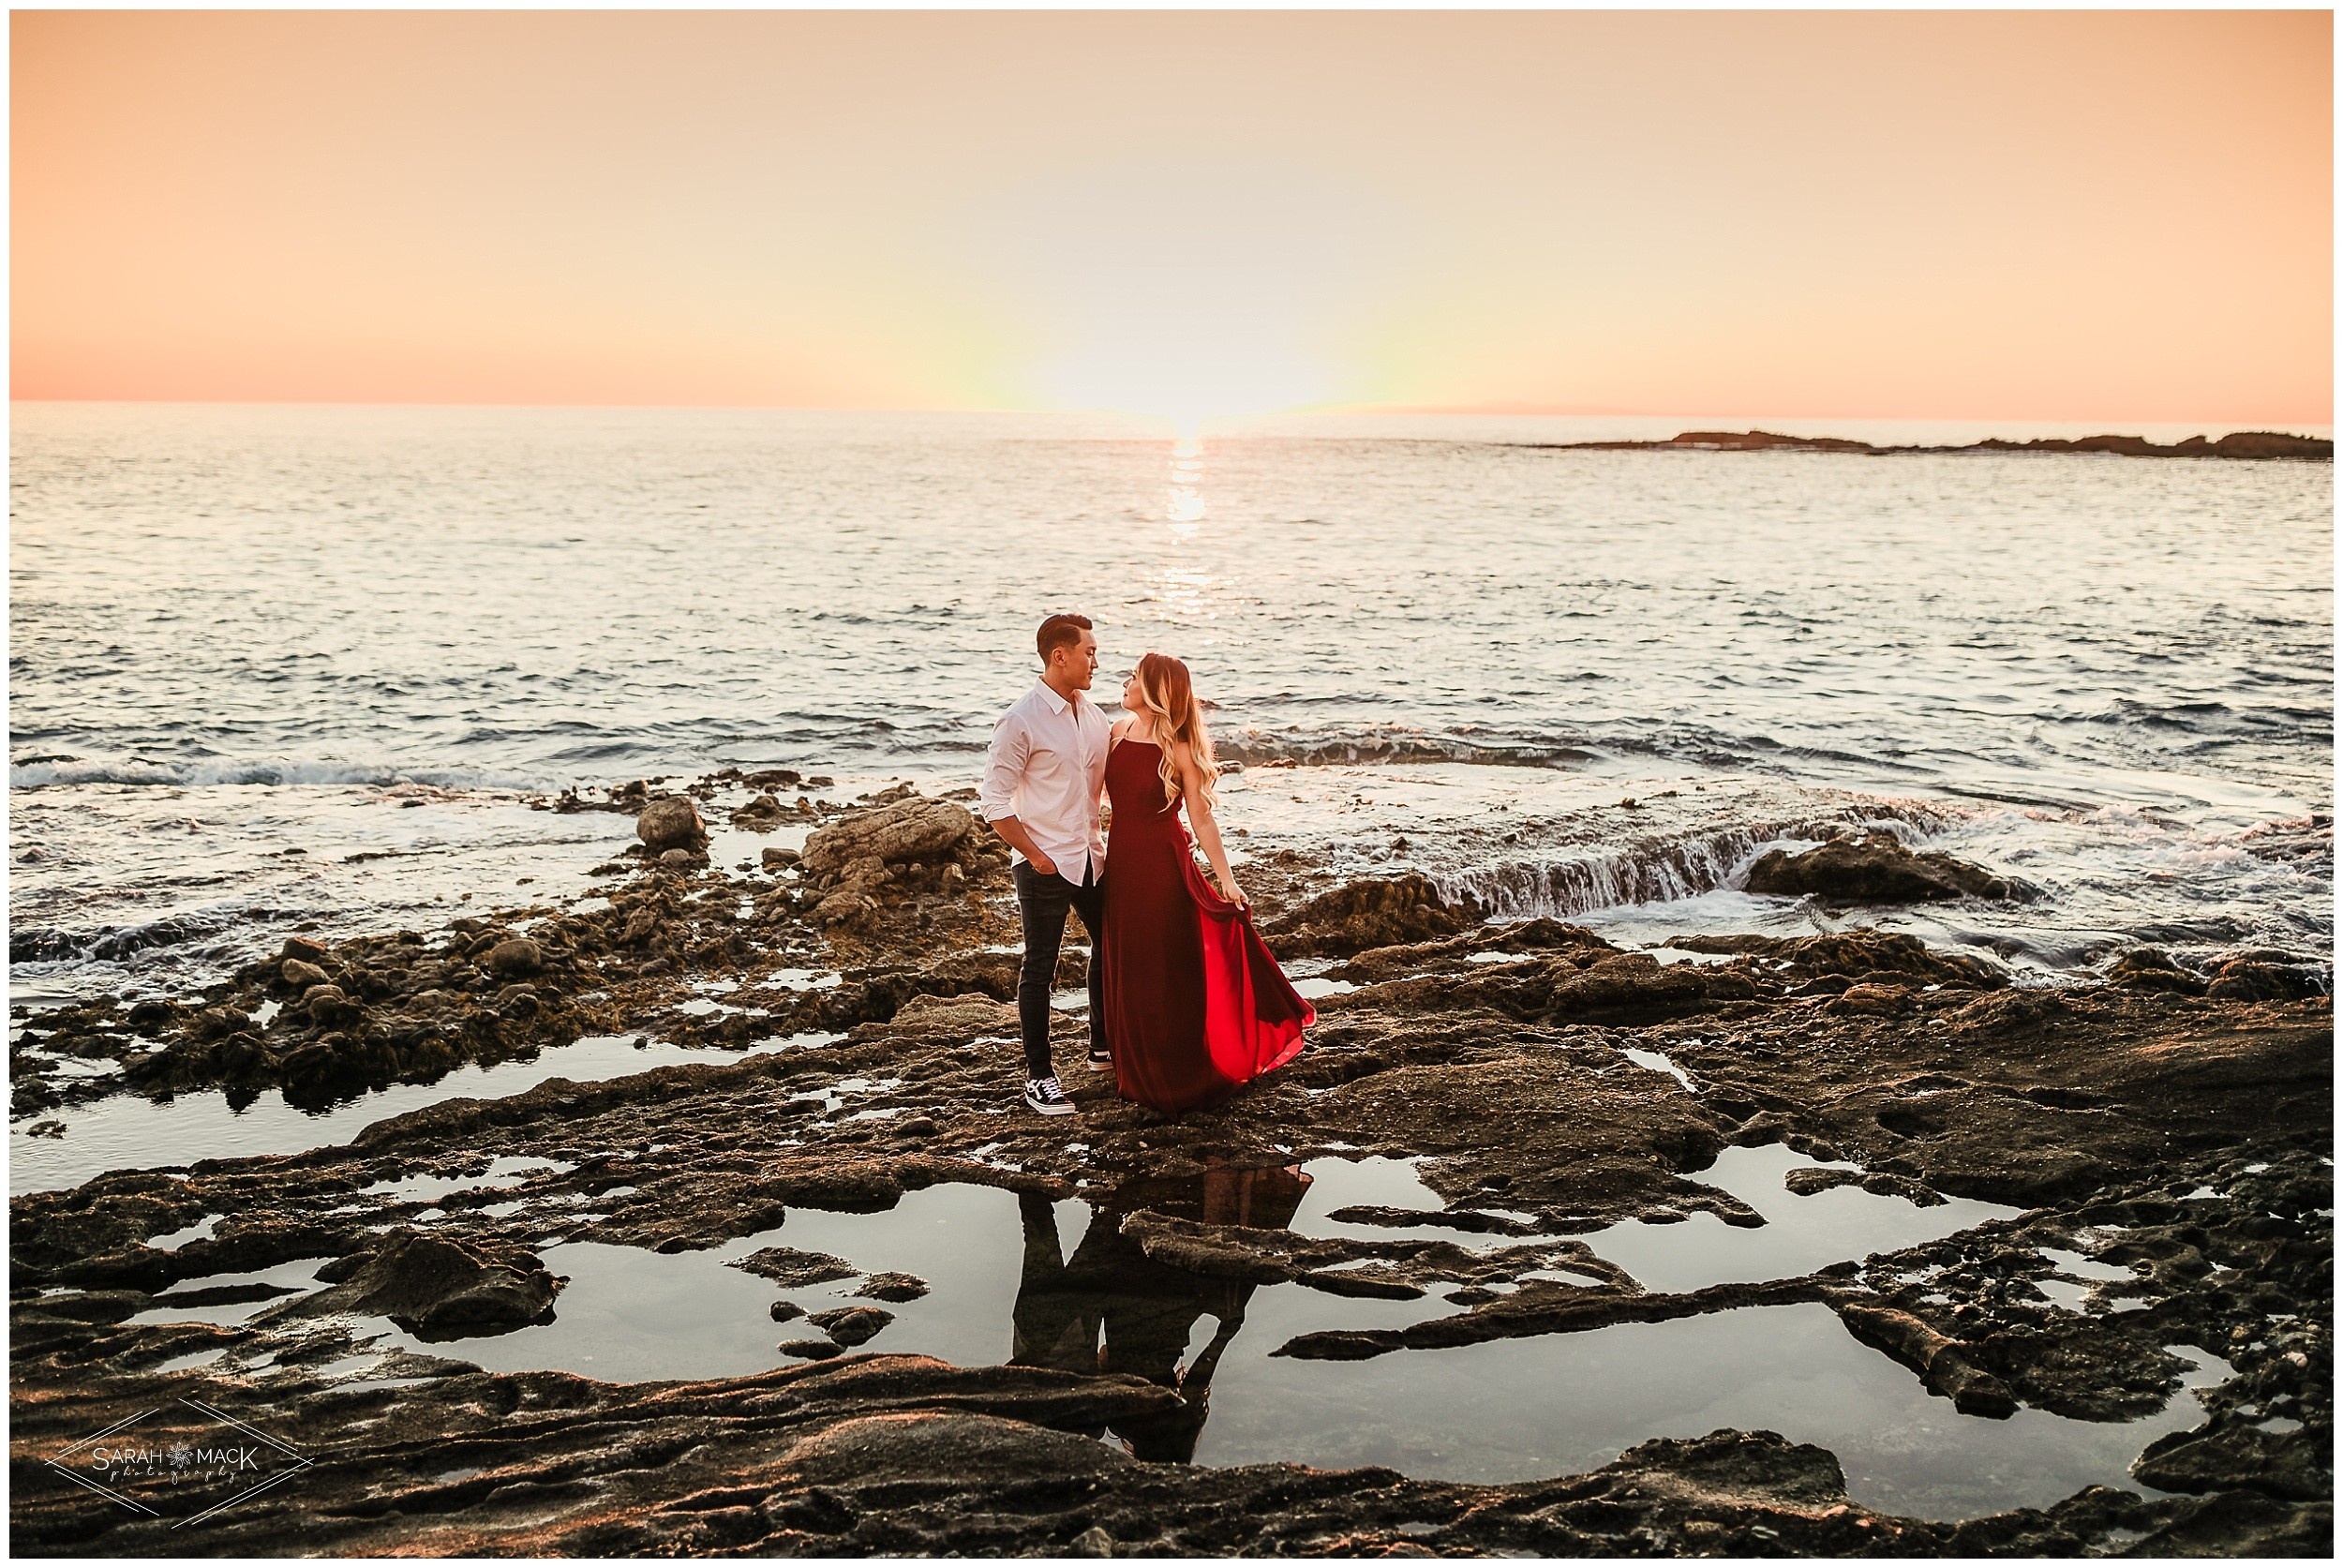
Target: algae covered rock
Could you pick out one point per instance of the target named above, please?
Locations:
(908, 831)
(1878, 869)
(1373, 914)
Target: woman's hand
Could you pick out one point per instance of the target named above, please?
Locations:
(1234, 894)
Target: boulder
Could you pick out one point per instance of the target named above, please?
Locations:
(759, 815)
(811, 1349)
(328, 1004)
(851, 1325)
(671, 822)
(1374, 914)
(1878, 869)
(512, 958)
(893, 1286)
(307, 949)
(301, 974)
(907, 830)
(2246, 980)
(440, 1288)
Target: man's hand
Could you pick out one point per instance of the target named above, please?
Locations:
(1013, 833)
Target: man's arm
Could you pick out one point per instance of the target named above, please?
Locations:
(1003, 765)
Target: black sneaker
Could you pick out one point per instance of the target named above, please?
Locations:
(1043, 1094)
(1101, 1058)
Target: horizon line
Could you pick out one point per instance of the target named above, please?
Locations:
(1487, 411)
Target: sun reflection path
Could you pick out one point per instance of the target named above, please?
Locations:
(1185, 507)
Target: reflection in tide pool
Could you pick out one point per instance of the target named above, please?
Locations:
(129, 1132)
(1515, 1410)
(1017, 1279)
(1799, 1234)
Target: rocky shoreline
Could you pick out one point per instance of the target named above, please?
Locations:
(2238, 445)
(2171, 1125)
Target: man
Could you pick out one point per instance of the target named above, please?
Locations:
(1042, 778)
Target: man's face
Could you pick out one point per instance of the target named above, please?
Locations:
(1078, 663)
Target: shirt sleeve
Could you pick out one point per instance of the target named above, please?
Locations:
(1003, 765)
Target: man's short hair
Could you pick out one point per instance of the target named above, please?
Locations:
(1060, 630)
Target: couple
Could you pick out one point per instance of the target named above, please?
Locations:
(1186, 1003)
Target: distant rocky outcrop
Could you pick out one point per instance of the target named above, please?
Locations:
(2248, 444)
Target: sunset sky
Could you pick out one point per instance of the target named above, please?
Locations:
(2092, 216)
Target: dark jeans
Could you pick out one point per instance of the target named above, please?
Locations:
(1043, 900)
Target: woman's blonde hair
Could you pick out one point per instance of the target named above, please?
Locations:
(1164, 687)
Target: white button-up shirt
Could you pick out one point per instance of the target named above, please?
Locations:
(1046, 766)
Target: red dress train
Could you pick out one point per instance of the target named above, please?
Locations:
(1195, 1004)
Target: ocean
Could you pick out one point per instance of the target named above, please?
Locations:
(274, 667)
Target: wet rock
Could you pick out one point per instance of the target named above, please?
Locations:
(759, 815)
(907, 830)
(784, 1311)
(213, 1023)
(774, 859)
(2148, 969)
(893, 1286)
(967, 1015)
(1372, 914)
(512, 958)
(1809, 1180)
(1941, 1363)
(1877, 1001)
(851, 1325)
(301, 974)
(329, 1006)
(1879, 870)
(2244, 981)
(811, 1349)
(926, 1443)
(2296, 1465)
(680, 859)
(671, 822)
(436, 1287)
(794, 1270)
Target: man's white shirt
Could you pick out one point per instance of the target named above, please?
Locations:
(1047, 764)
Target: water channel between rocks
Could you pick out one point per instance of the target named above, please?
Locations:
(129, 1131)
(1047, 1284)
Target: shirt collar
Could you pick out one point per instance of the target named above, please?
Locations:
(1049, 694)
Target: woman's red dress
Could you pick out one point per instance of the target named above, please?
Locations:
(1195, 1004)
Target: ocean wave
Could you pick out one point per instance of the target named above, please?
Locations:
(1255, 750)
(50, 772)
(1664, 870)
(114, 943)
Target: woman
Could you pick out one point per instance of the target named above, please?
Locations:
(1195, 1005)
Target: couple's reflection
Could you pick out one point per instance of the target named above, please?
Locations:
(1111, 1308)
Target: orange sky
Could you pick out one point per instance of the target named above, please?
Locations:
(2089, 216)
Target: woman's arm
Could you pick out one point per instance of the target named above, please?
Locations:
(1207, 830)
